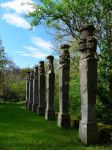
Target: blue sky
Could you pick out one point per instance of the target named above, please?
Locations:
(25, 47)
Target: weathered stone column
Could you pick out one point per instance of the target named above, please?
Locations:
(35, 90)
(64, 71)
(30, 91)
(41, 86)
(27, 88)
(88, 131)
(50, 114)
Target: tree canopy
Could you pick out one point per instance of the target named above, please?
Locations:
(2, 57)
(67, 16)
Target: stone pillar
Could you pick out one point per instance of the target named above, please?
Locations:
(88, 131)
(27, 88)
(35, 90)
(64, 72)
(50, 114)
(41, 86)
(30, 91)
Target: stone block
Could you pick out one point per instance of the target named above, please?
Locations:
(88, 133)
(63, 120)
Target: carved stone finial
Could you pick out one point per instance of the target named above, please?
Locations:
(87, 27)
(87, 31)
(41, 62)
(87, 42)
(65, 46)
(35, 68)
(82, 45)
(27, 75)
(35, 72)
(41, 68)
(31, 74)
(65, 56)
(28, 72)
(91, 43)
(50, 59)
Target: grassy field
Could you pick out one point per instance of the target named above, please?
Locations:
(20, 129)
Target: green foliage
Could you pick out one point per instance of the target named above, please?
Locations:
(12, 79)
(2, 66)
(2, 57)
(13, 88)
(74, 91)
(75, 95)
(23, 73)
(101, 112)
(105, 83)
(68, 15)
(15, 91)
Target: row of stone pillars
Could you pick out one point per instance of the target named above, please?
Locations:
(40, 89)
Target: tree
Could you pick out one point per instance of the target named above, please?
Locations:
(67, 16)
(2, 65)
(12, 78)
(2, 57)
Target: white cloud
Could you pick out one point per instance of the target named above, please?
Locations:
(37, 55)
(40, 50)
(30, 48)
(39, 42)
(19, 6)
(31, 52)
(14, 19)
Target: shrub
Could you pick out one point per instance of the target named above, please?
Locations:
(15, 91)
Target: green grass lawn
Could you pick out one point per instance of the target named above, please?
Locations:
(21, 129)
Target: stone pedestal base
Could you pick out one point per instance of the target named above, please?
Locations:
(50, 115)
(34, 108)
(88, 133)
(63, 120)
(41, 111)
(30, 106)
